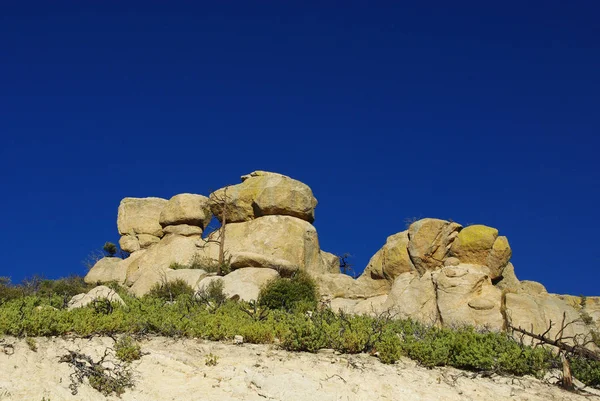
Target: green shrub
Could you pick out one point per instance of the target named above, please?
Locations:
(286, 294)
(169, 291)
(586, 370)
(212, 294)
(110, 248)
(127, 350)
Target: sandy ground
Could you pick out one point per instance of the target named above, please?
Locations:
(175, 369)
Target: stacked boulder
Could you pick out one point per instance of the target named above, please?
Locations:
(267, 222)
(437, 271)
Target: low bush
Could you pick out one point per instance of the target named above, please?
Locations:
(289, 293)
(127, 350)
(293, 329)
(169, 291)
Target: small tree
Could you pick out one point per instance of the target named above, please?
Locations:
(110, 249)
(219, 202)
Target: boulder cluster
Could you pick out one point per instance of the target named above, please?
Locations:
(436, 271)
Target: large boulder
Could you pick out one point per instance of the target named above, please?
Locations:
(190, 209)
(392, 259)
(106, 270)
(140, 216)
(264, 194)
(413, 296)
(330, 262)
(466, 296)
(430, 241)
(274, 238)
(129, 243)
(481, 245)
(100, 292)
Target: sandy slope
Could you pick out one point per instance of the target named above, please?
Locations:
(175, 370)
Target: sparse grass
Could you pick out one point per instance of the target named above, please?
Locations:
(211, 360)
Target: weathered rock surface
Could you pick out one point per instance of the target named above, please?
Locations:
(140, 216)
(190, 276)
(535, 312)
(392, 260)
(129, 243)
(480, 245)
(183, 229)
(100, 292)
(429, 244)
(247, 282)
(264, 194)
(151, 267)
(189, 209)
(466, 296)
(106, 270)
(282, 238)
(413, 296)
(175, 369)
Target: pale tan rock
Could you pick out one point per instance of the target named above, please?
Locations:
(183, 229)
(147, 240)
(140, 216)
(203, 284)
(451, 261)
(392, 259)
(373, 306)
(151, 268)
(413, 296)
(263, 194)
(131, 266)
(465, 295)
(129, 243)
(532, 288)
(330, 262)
(534, 313)
(106, 270)
(335, 285)
(245, 283)
(499, 256)
(188, 209)
(100, 292)
(509, 279)
(474, 244)
(275, 237)
(430, 240)
(343, 286)
(251, 259)
(343, 305)
(191, 276)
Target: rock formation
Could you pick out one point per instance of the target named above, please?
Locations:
(436, 271)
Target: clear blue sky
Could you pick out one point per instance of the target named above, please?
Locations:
(478, 112)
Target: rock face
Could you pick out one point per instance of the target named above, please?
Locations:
(264, 194)
(437, 271)
(271, 239)
(392, 260)
(430, 240)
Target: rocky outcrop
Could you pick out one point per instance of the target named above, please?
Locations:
(437, 271)
(264, 194)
